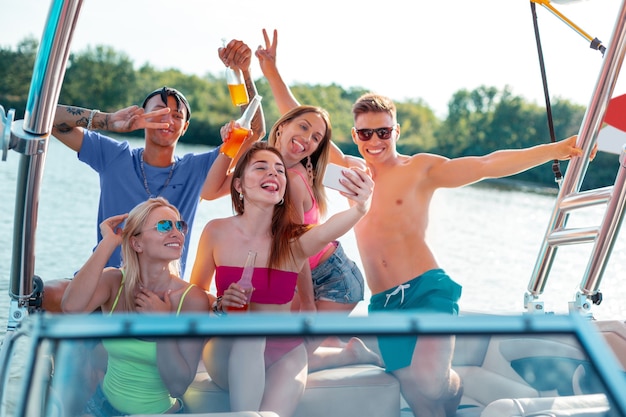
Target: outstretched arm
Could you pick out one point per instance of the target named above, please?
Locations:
(467, 170)
(69, 122)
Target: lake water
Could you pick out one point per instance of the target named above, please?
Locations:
(486, 238)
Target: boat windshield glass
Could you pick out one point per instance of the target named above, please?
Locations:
(506, 369)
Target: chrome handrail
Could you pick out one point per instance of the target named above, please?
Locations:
(605, 234)
(29, 137)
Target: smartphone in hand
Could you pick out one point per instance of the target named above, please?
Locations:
(331, 178)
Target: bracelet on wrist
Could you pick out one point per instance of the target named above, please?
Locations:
(217, 307)
(90, 120)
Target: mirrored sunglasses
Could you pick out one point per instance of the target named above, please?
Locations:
(382, 132)
(165, 226)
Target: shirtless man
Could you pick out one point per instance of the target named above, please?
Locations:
(400, 268)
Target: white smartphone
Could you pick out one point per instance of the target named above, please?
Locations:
(331, 178)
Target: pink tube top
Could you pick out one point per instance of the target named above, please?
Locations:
(271, 286)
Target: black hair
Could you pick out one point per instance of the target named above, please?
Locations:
(164, 92)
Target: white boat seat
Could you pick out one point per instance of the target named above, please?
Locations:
(592, 405)
(358, 390)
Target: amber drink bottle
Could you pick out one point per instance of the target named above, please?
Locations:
(236, 87)
(242, 128)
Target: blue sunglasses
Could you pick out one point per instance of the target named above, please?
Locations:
(165, 226)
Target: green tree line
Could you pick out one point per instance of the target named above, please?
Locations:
(478, 122)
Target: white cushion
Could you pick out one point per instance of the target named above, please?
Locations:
(595, 405)
(359, 390)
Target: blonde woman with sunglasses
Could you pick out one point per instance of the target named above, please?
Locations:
(152, 241)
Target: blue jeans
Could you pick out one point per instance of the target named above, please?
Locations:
(338, 279)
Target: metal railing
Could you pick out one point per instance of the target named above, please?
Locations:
(29, 137)
(570, 198)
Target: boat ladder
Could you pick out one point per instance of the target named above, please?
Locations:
(570, 198)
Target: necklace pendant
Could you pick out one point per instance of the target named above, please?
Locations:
(145, 178)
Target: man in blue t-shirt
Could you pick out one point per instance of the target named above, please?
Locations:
(129, 176)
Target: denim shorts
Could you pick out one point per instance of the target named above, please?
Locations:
(338, 279)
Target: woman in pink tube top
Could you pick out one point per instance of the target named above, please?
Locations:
(332, 281)
(267, 223)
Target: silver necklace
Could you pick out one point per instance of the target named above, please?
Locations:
(145, 179)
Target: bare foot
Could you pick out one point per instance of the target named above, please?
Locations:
(361, 353)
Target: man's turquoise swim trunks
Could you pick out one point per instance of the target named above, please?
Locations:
(432, 292)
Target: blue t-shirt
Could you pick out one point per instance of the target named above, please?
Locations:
(122, 185)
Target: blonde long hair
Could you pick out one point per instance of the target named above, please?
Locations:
(319, 158)
(135, 223)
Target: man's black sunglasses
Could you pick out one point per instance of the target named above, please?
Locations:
(382, 132)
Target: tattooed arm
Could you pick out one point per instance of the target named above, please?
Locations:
(69, 122)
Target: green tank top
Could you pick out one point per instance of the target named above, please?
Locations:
(132, 383)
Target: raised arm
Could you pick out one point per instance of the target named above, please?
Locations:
(285, 99)
(88, 289)
(69, 122)
(458, 172)
(237, 54)
(217, 184)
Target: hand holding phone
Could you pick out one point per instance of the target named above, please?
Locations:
(331, 178)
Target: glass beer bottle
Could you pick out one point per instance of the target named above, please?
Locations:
(236, 84)
(236, 137)
(245, 282)
(236, 87)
